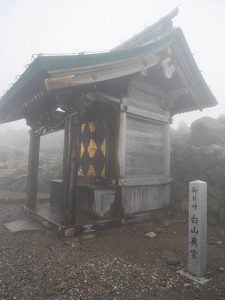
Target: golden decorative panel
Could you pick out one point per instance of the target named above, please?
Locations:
(93, 148)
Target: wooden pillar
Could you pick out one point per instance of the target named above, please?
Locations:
(120, 158)
(166, 164)
(166, 151)
(70, 158)
(33, 163)
(121, 141)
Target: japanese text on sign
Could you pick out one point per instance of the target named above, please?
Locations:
(194, 225)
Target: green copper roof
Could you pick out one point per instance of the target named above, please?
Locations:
(156, 38)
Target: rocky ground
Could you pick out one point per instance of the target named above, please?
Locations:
(206, 163)
(13, 172)
(120, 263)
(14, 146)
(198, 152)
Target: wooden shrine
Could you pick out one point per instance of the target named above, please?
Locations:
(115, 109)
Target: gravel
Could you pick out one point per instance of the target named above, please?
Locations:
(117, 264)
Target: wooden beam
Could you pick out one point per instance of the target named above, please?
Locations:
(120, 153)
(166, 151)
(70, 169)
(120, 150)
(32, 180)
(63, 78)
(166, 158)
(139, 112)
(103, 97)
(175, 94)
(141, 181)
(149, 89)
(41, 131)
(186, 76)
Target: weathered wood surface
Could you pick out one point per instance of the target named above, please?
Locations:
(120, 157)
(146, 87)
(149, 180)
(147, 158)
(144, 148)
(144, 198)
(142, 100)
(166, 151)
(32, 178)
(70, 169)
(145, 114)
(63, 78)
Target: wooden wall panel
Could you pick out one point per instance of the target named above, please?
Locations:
(147, 156)
(140, 98)
(144, 148)
(139, 199)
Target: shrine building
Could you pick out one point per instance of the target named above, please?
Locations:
(115, 109)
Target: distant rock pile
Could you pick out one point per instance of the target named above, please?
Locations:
(13, 172)
(199, 155)
(14, 161)
(206, 163)
(13, 168)
(207, 131)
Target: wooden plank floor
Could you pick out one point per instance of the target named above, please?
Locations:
(48, 212)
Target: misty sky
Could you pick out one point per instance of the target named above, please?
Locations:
(52, 26)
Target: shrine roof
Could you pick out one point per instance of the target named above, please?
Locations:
(52, 72)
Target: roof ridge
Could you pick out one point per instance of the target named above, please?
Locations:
(163, 25)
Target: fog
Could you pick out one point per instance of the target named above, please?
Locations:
(29, 27)
(149, 206)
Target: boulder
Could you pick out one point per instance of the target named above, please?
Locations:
(207, 131)
(203, 162)
(172, 259)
